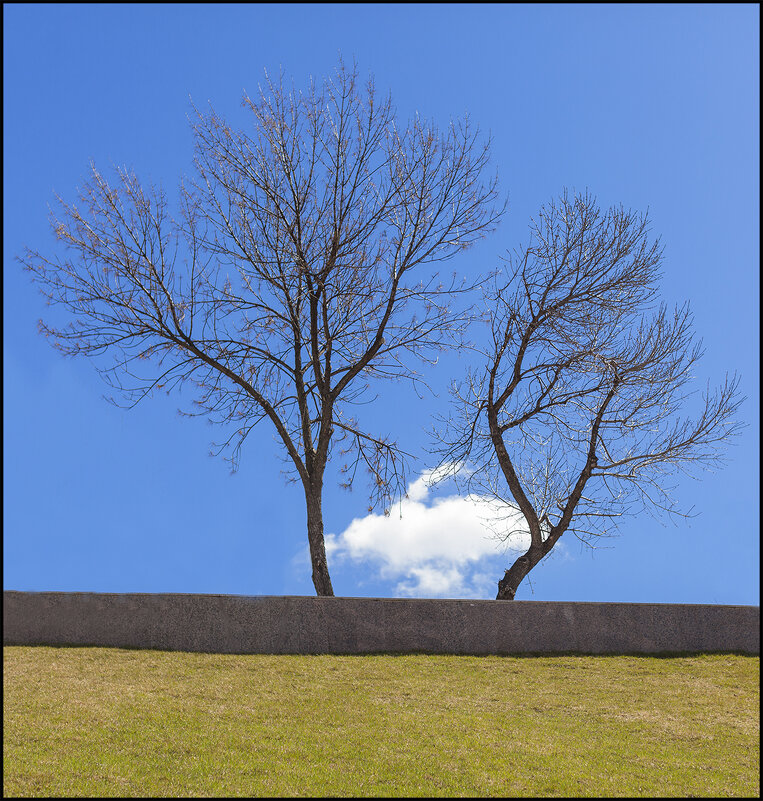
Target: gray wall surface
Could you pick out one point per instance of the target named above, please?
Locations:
(239, 624)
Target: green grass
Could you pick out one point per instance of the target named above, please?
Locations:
(110, 722)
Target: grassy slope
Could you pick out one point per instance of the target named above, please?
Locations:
(100, 722)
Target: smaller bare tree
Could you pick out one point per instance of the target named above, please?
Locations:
(577, 411)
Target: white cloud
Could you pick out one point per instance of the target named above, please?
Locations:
(447, 547)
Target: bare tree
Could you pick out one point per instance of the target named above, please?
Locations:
(289, 278)
(577, 411)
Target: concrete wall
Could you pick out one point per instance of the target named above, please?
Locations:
(303, 625)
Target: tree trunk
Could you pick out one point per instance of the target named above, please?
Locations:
(509, 584)
(321, 578)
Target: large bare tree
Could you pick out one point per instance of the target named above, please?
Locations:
(575, 418)
(291, 273)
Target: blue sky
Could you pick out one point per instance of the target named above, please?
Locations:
(653, 106)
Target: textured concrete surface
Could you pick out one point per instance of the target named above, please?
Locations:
(305, 625)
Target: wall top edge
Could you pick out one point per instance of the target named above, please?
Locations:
(334, 599)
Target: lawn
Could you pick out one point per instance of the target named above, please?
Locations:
(111, 722)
